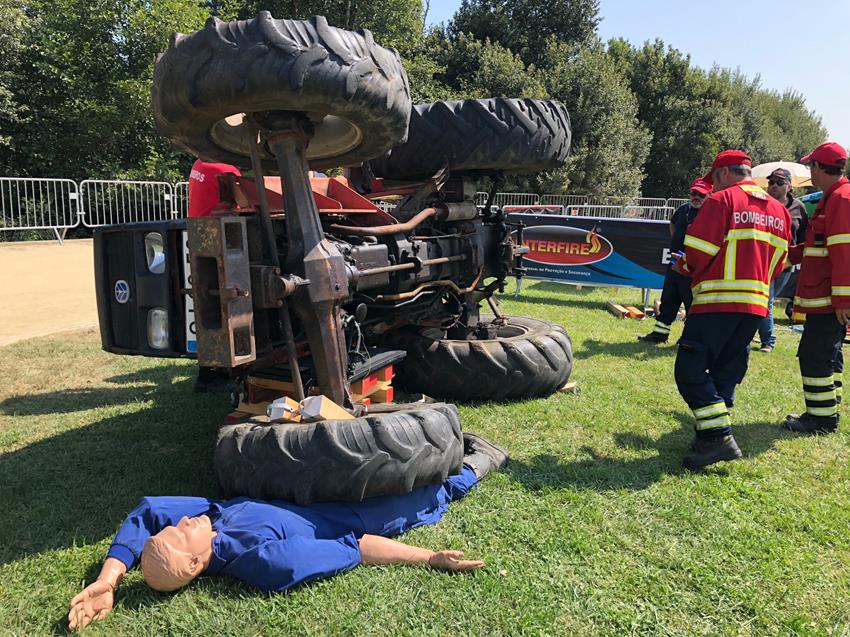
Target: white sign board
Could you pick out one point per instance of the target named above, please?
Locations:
(191, 337)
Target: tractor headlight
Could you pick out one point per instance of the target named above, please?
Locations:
(155, 252)
(158, 328)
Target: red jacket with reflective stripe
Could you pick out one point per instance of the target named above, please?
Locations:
(824, 283)
(734, 248)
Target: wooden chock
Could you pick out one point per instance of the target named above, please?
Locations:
(616, 309)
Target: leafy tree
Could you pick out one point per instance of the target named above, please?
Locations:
(674, 104)
(525, 26)
(86, 73)
(477, 69)
(425, 64)
(693, 114)
(14, 24)
(609, 144)
(394, 23)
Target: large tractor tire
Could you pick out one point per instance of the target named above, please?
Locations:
(354, 92)
(349, 460)
(495, 134)
(528, 358)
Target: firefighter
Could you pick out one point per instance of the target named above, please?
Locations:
(677, 287)
(733, 250)
(823, 292)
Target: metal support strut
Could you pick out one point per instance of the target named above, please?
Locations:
(309, 254)
(252, 131)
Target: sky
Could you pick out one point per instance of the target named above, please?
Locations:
(800, 45)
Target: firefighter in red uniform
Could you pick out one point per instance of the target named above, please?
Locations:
(733, 249)
(823, 291)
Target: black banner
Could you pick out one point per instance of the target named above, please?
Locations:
(596, 250)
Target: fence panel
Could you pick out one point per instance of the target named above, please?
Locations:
(675, 203)
(509, 198)
(650, 202)
(659, 213)
(565, 200)
(106, 202)
(181, 198)
(38, 204)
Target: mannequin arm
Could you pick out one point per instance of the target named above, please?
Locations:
(96, 600)
(377, 550)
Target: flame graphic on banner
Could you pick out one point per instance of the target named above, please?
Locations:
(593, 240)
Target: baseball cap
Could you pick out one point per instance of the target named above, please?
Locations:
(784, 173)
(701, 186)
(828, 154)
(728, 158)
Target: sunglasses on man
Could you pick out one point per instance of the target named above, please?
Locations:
(776, 181)
(698, 195)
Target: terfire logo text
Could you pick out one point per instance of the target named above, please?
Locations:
(564, 245)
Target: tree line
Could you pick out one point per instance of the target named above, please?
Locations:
(76, 79)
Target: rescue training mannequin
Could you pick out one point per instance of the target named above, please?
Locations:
(277, 545)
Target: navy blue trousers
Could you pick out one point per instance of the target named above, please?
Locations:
(822, 365)
(711, 360)
(676, 292)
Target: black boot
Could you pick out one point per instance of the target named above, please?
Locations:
(706, 451)
(653, 337)
(482, 456)
(806, 424)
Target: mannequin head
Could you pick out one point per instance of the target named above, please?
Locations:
(178, 554)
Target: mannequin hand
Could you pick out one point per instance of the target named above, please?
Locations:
(451, 561)
(92, 604)
(843, 316)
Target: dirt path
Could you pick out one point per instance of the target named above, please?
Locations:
(45, 288)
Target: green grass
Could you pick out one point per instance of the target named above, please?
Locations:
(592, 530)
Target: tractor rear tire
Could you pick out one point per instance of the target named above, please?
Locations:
(529, 358)
(354, 92)
(341, 460)
(488, 135)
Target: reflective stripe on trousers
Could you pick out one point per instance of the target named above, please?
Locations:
(820, 395)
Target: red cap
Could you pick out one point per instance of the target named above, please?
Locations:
(701, 186)
(828, 154)
(728, 158)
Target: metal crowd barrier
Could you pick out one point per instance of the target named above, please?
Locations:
(107, 202)
(565, 200)
(659, 213)
(509, 198)
(39, 204)
(181, 198)
(61, 204)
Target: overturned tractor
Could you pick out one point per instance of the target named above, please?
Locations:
(309, 280)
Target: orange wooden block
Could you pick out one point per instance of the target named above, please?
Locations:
(635, 313)
(384, 395)
(365, 386)
(385, 374)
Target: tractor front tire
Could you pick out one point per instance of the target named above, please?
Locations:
(354, 92)
(529, 358)
(341, 460)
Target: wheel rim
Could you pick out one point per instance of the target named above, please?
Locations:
(509, 330)
(333, 137)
